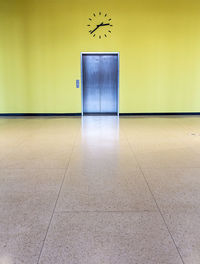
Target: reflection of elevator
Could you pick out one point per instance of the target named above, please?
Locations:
(100, 74)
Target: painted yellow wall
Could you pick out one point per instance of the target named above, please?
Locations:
(41, 42)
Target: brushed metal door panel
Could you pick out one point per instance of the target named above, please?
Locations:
(109, 83)
(100, 83)
(91, 89)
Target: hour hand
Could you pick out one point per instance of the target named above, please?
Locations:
(107, 24)
(102, 24)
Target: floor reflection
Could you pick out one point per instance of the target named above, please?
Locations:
(98, 128)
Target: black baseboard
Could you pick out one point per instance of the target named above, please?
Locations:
(79, 114)
(161, 114)
(39, 114)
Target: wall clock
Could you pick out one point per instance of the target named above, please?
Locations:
(100, 25)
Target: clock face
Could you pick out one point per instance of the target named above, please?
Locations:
(100, 25)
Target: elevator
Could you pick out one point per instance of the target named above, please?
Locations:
(100, 82)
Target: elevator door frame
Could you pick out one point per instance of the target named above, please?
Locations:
(99, 53)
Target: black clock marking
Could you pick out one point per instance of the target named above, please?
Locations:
(98, 24)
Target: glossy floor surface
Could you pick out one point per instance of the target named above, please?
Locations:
(100, 190)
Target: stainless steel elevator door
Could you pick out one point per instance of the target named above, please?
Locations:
(100, 83)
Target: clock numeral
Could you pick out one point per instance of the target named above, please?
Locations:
(94, 35)
(99, 13)
(90, 19)
(105, 35)
(88, 25)
(90, 31)
(109, 19)
(94, 14)
(99, 36)
(105, 15)
(109, 31)
(111, 25)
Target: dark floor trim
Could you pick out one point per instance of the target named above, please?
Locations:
(40, 114)
(79, 114)
(160, 114)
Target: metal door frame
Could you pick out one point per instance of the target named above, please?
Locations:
(99, 53)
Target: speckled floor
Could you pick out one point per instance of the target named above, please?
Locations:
(100, 190)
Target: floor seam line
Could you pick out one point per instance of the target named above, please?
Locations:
(162, 217)
(62, 182)
(154, 199)
(139, 211)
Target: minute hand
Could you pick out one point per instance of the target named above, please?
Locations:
(94, 30)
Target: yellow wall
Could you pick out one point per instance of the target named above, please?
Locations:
(41, 41)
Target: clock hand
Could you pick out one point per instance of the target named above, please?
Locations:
(108, 24)
(94, 29)
(100, 25)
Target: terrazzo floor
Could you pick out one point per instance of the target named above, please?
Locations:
(100, 190)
